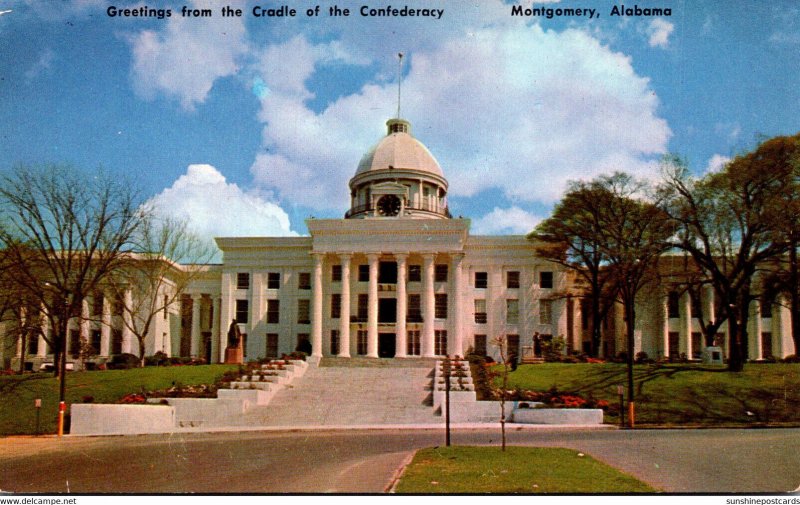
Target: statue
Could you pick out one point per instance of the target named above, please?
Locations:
(234, 335)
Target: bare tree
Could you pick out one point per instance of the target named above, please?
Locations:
(65, 231)
(153, 278)
(501, 343)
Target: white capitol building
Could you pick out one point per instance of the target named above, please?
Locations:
(399, 277)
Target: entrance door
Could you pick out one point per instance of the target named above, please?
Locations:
(386, 345)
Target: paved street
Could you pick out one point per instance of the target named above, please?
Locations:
(364, 461)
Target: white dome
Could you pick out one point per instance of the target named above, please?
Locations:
(399, 150)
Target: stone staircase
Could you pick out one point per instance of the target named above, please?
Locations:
(353, 391)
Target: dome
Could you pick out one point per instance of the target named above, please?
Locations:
(399, 150)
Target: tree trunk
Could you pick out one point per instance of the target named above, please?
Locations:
(24, 337)
(794, 295)
(596, 324)
(735, 359)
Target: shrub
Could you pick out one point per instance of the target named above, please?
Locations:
(642, 357)
(295, 355)
(792, 358)
(123, 361)
(157, 359)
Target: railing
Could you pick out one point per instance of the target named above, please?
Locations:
(359, 209)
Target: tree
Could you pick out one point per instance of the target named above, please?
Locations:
(152, 276)
(635, 234)
(727, 222)
(573, 237)
(65, 231)
(501, 343)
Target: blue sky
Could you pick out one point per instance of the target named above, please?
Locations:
(249, 125)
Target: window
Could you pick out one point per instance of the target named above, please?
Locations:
(165, 306)
(97, 304)
(766, 344)
(336, 306)
(74, 342)
(304, 280)
(512, 280)
(303, 311)
(440, 273)
(272, 345)
(361, 342)
(440, 305)
(273, 280)
(480, 345)
(546, 280)
(481, 280)
(336, 273)
(440, 342)
(242, 280)
(116, 341)
(95, 341)
(363, 307)
(545, 311)
(766, 308)
(242, 309)
(413, 343)
(480, 311)
(334, 342)
(414, 273)
(33, 345)
(363, 273)
(673, 304)
(119, 304)
(414, 314)
(512, 311)
(273, 311)
(697, 309)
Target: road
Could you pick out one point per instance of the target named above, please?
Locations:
(684, 461)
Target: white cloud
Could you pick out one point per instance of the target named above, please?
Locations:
(659, 32)
(43, 64)
(505, 221)
(217, 208)
(187, 57)
(716, 163)
(517, 108)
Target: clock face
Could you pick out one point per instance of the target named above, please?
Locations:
(389, 205)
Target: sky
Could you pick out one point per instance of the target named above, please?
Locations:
(249, 125)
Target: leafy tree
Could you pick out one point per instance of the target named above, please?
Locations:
(728, 223)
(573, 237)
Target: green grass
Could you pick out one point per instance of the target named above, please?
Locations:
(18, 392)
(680, 394)
(517, 470)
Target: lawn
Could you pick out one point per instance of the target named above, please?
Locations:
(18, 392)
(680, 394)
(517, 470)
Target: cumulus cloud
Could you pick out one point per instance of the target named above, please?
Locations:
(216, 208)
(512, 220)
(185, 59)
(717, 163)
(518, 108)
(659, 32)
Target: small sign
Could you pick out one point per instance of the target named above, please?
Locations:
(37, 403)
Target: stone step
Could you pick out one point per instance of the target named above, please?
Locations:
(364, 362)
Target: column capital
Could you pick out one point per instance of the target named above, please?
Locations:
(196, 296)
(345, 256)
(318, 256)
(401, 256)
(457, 257)
(428, 256)
(372, 256)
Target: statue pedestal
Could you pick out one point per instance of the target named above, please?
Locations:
(234, 356)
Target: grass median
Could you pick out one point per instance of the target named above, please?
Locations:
(18, 392)
(679, 394)
(517, 470)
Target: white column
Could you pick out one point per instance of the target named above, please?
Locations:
(218, 338)
(428, 305)
(127, 335)
(782, 328)
(372, 313)
(84, 323)
(685, 335)
(402, 298)
(105, 327)
(665, 330)
(316, 317)
(755, 350)
(43, 329)
(195, 336)
(457, 346)
(344, 321)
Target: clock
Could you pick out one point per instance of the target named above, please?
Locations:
(389, 205)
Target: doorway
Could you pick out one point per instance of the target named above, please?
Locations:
(386, 345)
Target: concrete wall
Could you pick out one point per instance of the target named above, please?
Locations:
(109, 419)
